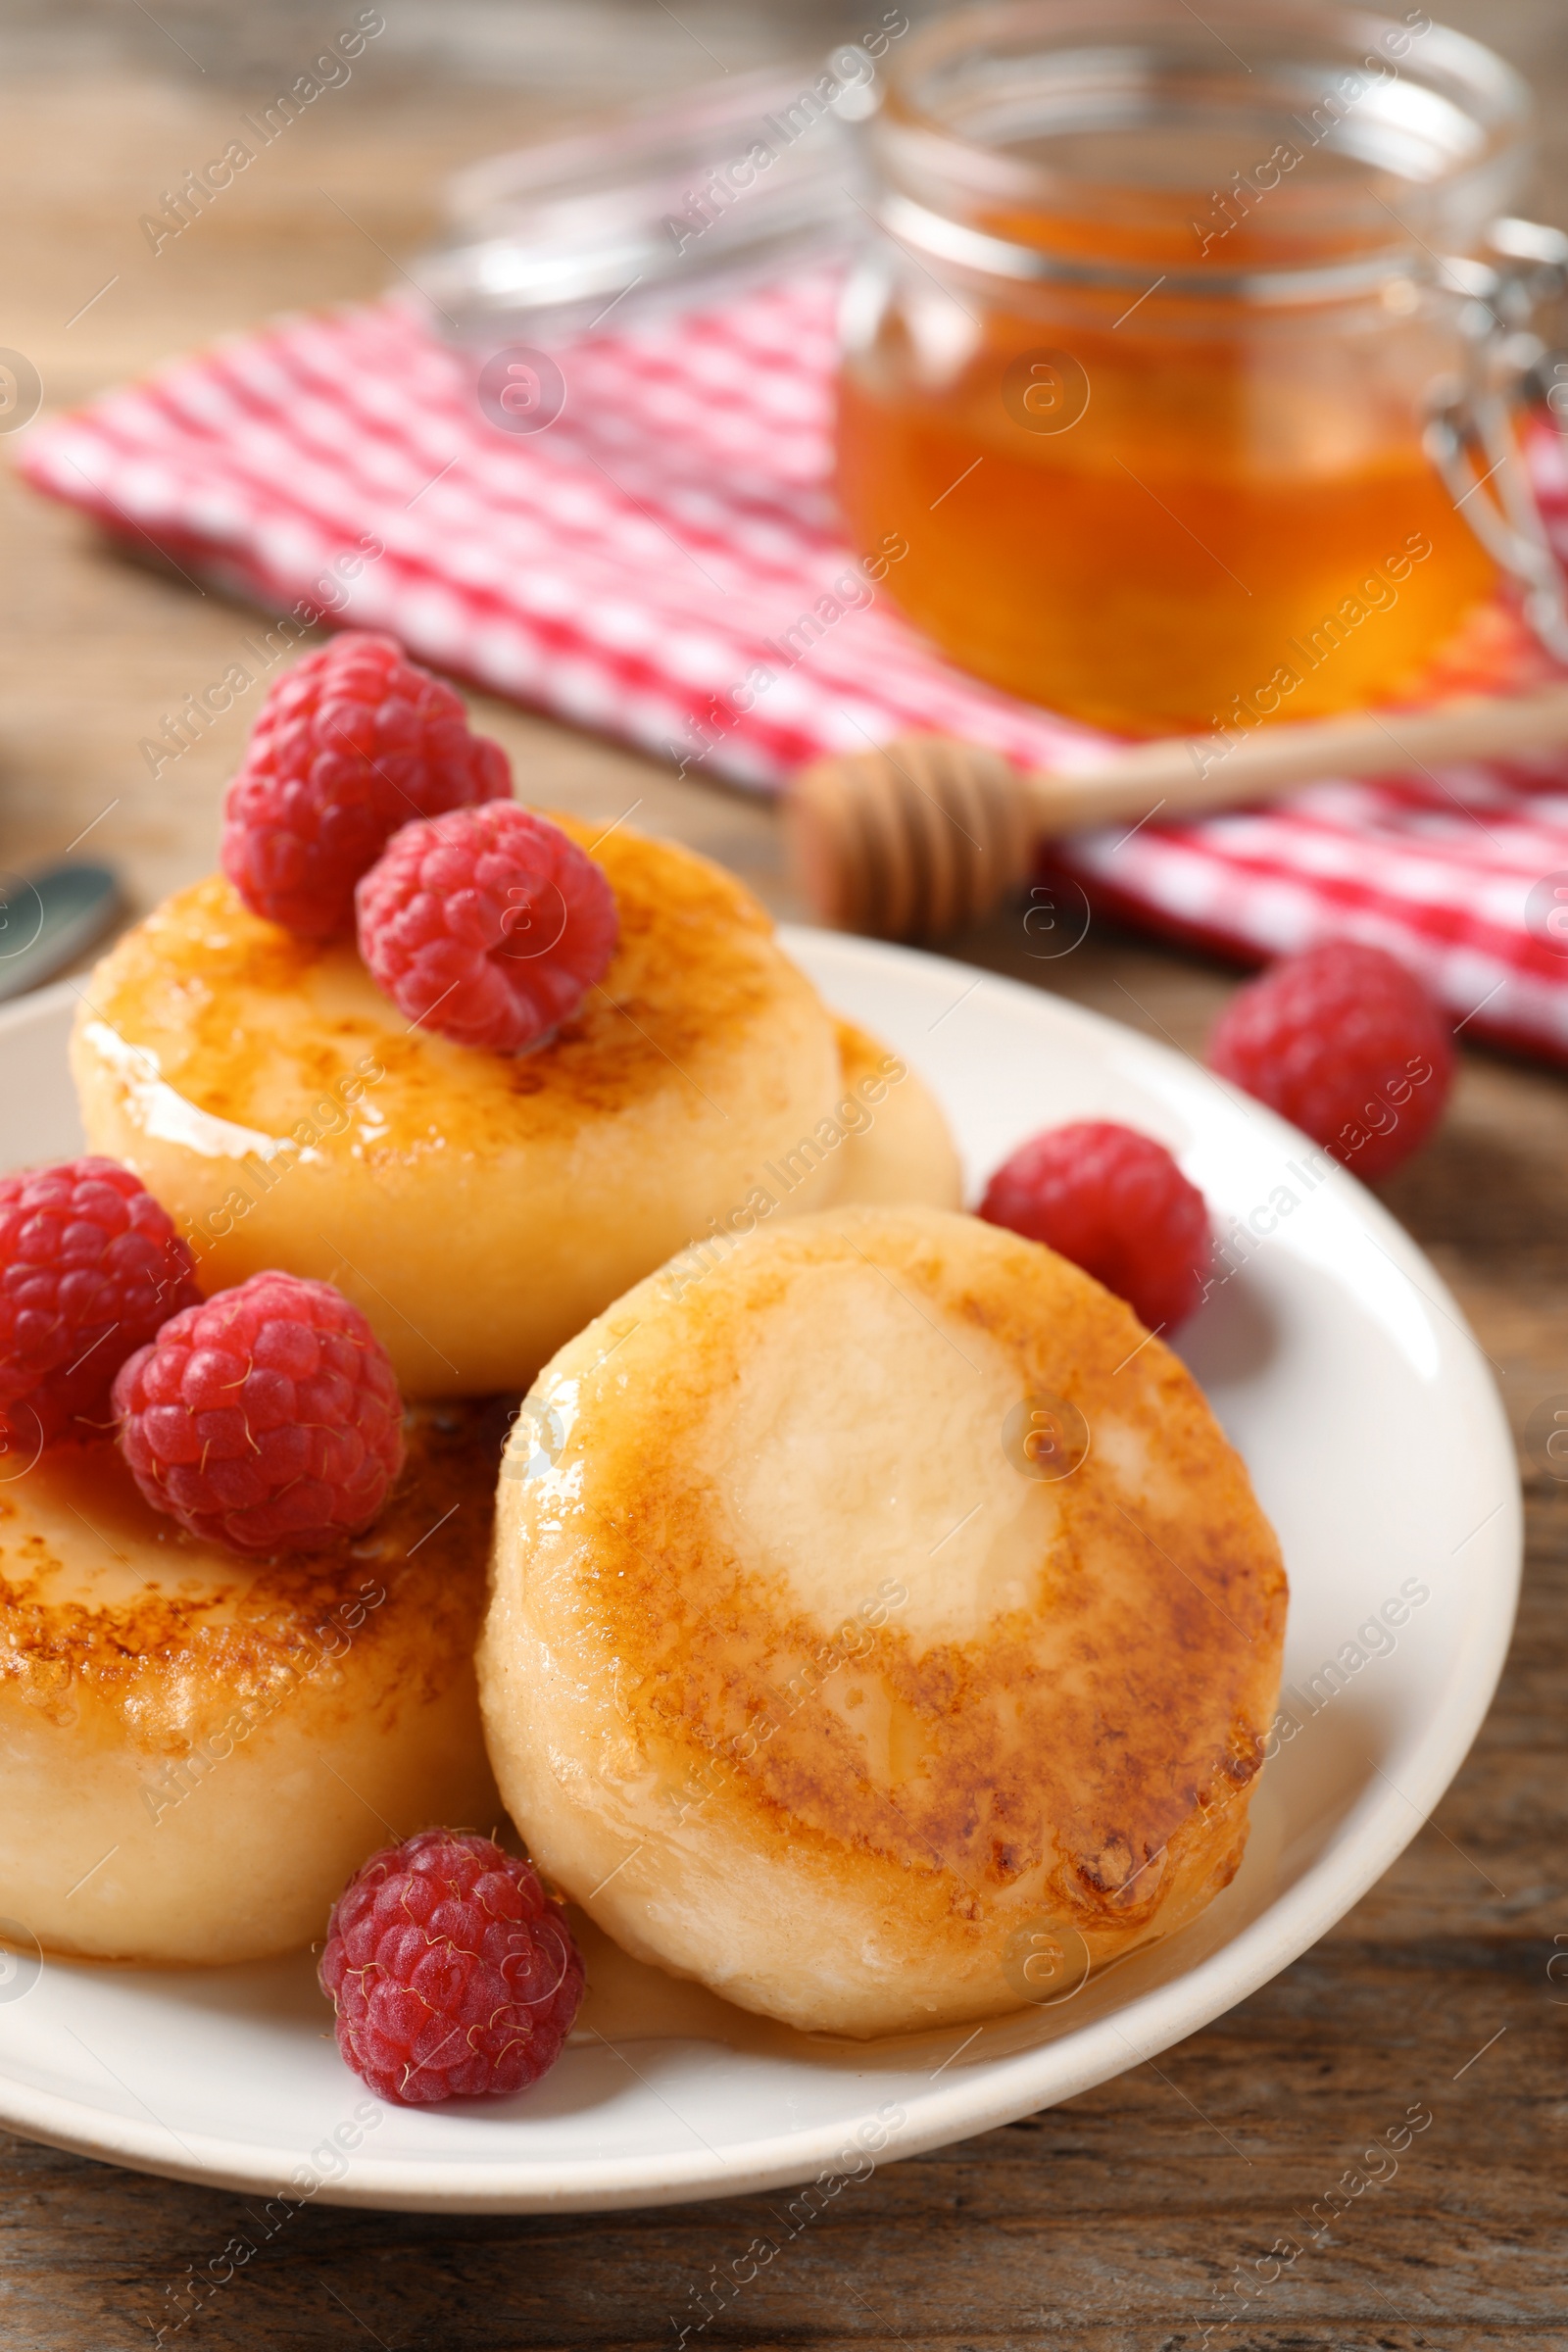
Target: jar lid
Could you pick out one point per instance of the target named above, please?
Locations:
(652, 206)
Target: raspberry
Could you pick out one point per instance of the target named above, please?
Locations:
(489, 925)
(1116, 1203)
(267, 1418)
(352, 743)
(453, 1974)
(1344, 1043)
(90, 1267)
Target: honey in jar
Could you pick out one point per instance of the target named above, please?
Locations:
(1141, 365)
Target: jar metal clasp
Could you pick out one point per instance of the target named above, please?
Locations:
(1471, 434)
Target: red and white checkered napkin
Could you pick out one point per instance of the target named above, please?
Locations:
(630, 567)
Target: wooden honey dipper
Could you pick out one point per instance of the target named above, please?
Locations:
(912, 841)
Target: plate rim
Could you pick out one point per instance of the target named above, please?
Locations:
(1360, 1850)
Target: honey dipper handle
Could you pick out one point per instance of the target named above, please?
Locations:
(1215, 771)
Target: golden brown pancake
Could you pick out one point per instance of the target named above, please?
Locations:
(200, 1748)
(478, 1208)
(898, 1147)
(824, 1664)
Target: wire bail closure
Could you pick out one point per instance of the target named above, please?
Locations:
(1470, 433)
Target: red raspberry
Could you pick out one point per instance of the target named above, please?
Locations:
(350, 744)
(1344, 1043)
(90, 1267)
(453, 1974)
(489, 925)
(268, 1418)
(1116, 1203)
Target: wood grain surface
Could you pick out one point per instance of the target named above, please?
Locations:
(1105, 2224)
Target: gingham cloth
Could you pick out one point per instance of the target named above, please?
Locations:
(630, 567)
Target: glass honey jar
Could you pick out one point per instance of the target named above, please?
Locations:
(1140, 365)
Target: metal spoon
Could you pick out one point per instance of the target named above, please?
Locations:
(48, 919)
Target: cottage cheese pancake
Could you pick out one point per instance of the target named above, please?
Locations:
(479, 1207)
(900, 1148)
(198, 1750)
(868, 1605)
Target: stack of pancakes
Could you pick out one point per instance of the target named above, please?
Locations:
(803, 1670)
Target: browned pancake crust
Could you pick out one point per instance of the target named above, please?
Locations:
(694, 966)
(166, 1672)
(1090, 1742)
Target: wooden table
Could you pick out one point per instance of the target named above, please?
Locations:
(1100, 2224)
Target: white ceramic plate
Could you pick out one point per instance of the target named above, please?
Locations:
(1342, 1370)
